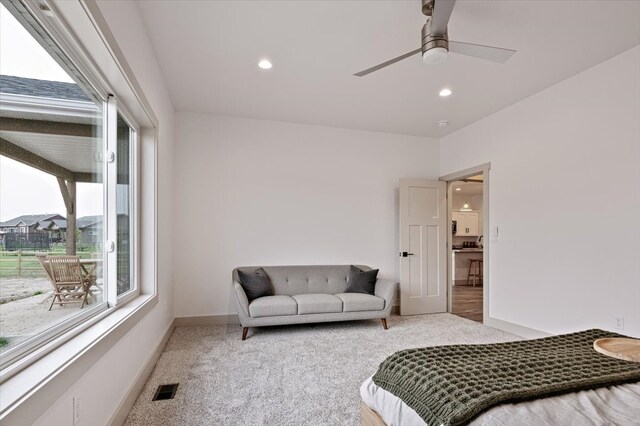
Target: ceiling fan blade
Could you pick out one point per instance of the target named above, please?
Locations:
(386, 64)
(489, 53)
(441, 13)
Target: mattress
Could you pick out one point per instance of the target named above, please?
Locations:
(615, 405)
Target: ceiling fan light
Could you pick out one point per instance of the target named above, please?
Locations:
(435, 55)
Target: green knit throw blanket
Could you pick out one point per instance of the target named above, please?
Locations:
(450, 385)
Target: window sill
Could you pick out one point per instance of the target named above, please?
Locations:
(45, 379)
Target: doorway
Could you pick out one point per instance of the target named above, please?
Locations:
(467, 248)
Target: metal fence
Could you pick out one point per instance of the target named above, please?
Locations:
(27, 241)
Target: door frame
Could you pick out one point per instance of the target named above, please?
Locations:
(486, 232)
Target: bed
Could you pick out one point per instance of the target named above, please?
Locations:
(592, 397)
(616, 405)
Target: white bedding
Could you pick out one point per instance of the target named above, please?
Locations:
(616, 405)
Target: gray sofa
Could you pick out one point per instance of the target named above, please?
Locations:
(307, 294)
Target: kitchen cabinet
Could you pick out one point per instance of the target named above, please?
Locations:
(467, 224)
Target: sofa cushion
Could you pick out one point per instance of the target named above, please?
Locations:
(304, 279)
(361, 281)
(271, 306)
(355, 302)
(317, 303)
(256, 284)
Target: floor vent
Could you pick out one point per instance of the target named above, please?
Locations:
(165, 392)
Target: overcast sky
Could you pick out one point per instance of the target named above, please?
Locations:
(24, 190)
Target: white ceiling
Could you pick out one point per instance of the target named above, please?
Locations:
(467, 188)
(208, 52)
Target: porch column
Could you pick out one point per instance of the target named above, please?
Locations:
(68, 190)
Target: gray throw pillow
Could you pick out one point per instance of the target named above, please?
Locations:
(361, 281)
(255, 284)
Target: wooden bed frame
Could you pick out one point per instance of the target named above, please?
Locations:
(369, 417)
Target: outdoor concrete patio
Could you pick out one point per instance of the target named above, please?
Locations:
(30, 314)
(12, 289)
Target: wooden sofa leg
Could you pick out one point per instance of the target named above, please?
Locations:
(245, 330)
(384, 323)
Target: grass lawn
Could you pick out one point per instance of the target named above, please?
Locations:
(27, 265)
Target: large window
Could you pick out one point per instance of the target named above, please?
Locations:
(67, 191)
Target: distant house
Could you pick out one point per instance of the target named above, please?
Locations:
(57, 229)
(90, 229)
(31, 232)
(28, 223)
(28, 231)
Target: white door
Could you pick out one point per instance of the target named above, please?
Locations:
(423, 242)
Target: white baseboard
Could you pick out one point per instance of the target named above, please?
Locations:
(207, 320)
(519, 330)
(125, 406)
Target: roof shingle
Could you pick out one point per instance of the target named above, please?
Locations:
(30, 219)
(42, 88)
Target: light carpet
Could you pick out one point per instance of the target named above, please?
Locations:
(289, 375)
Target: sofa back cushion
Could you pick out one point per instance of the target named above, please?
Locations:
(361, 281)
(303, 279)
(255, 283)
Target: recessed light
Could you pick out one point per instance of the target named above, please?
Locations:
(443, 123)
(265, 64)
(458, 189)
(445, 92)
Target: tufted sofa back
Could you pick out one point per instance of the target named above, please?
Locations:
(300, 279)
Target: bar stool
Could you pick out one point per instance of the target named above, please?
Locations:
(475, 271)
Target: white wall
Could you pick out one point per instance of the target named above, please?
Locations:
(254, 192)
(105, 385)
(259, 192)
(565, 193)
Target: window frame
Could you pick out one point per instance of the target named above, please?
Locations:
(134, 200)
(35, 383)
(71, 57)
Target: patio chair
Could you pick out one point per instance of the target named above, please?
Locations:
(42, 258)
(69, 283)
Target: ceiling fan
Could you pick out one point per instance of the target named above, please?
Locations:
(436, 44)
